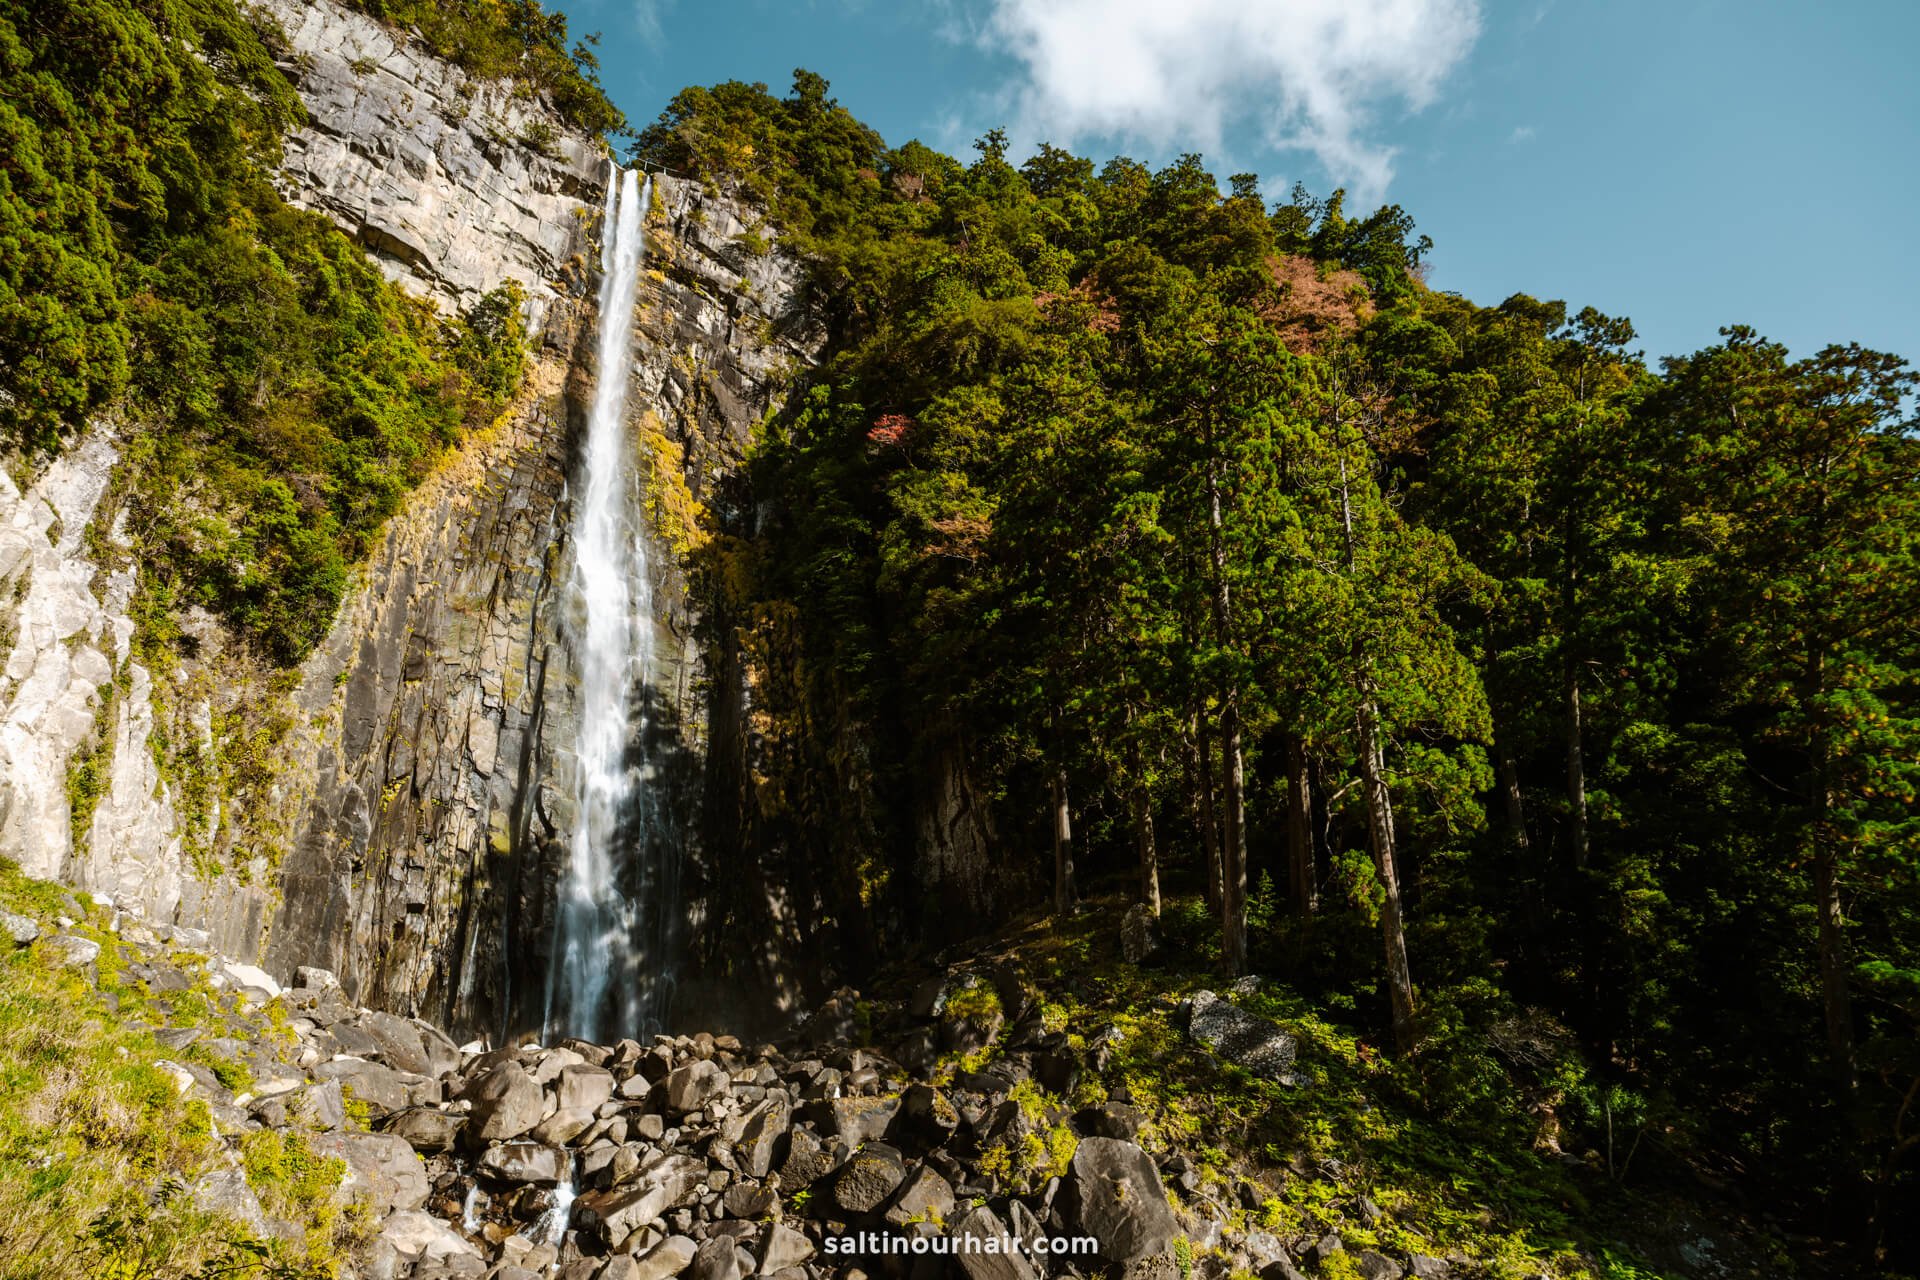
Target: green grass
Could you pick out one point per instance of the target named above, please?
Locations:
(98, 1149)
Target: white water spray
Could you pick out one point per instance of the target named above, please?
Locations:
(553, 1224)
(471, 1208)
(596, 964)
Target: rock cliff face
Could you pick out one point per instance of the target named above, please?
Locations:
(452, 184)
(421, 862)
(66, 634)
(404, 827)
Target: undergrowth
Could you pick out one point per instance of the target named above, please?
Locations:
(1443, 1142)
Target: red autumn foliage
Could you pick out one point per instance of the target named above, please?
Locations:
(889, 429)
(1313, 307)
(1106, 312)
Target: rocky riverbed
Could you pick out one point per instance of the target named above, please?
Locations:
(701, 1155)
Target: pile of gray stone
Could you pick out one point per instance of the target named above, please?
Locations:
(702, 1157)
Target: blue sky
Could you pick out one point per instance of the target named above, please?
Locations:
(1689, 164)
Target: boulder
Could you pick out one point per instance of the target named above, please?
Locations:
(717, 1259)
(866, 1181)
(70, 951)
(381, 1088)
(421, 1237)
(856, 1120)
(226, 1192)
(619, 1213)
(668, 1258)
(983, 1248)
(924, 1196)
(527, 1162)
(379, 1164)
(313, 978)
(1109, 1120)
(354, 1040)
(1244, 1039)
(929, 998)
(745, 1200)
(690, 1087)
(250, 977)
(1323, 1248)
(1114, 1194)
(425, 1128)
(583, 1088)
(762, 1137)
(810, 1158)
(506, 1103)
(1028, 1230)
(563, 1126)
(781, 1248)
(1377, 1266)
(400, 1044)
(1137, 940)
(443, 1055)
(18, 929)
(1422, 1267)
(925, 1118)
(320, 1106)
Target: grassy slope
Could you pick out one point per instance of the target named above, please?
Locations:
(99, 1148)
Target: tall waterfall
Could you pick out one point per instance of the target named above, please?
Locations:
(610, 901)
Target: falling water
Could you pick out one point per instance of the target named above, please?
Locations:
(471, 1208)
(599, 967)
(552, 1225)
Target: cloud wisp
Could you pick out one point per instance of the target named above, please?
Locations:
(1309, 74)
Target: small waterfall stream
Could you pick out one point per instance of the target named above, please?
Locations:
(602, 981)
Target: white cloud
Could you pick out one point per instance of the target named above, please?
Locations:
(1309, 74)
(646, 21)
(1521, 133)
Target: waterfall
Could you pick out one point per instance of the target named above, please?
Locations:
(602, 977)
(551, 1228)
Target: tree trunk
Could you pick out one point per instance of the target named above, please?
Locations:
(1143, 833)
(1149, 855)
(1233, 908)
(1516, 807)
(1373, 777)
(1380, 827)
(1233, 854)
(1834, 995)
(1576, 770)
(1300, 876)
(1063, 893)
(1200, 768)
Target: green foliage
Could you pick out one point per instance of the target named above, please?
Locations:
(296, 1183)
(1608, 671)
(87, 771)
(977, 1002)
(280, 395)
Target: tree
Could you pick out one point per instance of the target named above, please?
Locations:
(1806, 481)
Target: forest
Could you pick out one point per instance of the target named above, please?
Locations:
(1525, 703)
(1460, 664)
